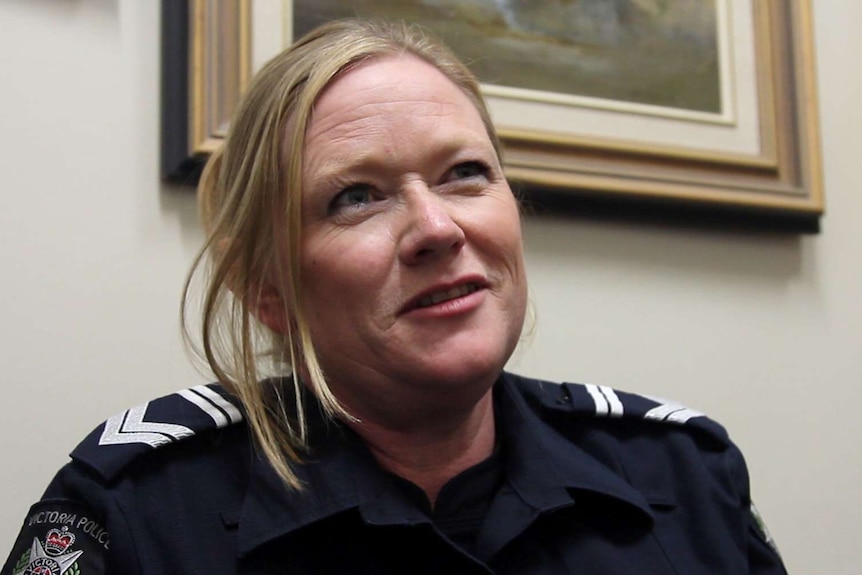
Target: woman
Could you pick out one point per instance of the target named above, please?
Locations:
(362, 236)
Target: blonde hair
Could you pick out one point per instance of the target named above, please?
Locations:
(250, 198)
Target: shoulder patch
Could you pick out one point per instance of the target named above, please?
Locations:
(169, 419)
(603, 401)
(59, 536)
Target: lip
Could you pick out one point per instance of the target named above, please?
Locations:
(414, 303)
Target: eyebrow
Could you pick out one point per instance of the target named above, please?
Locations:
(373, 161)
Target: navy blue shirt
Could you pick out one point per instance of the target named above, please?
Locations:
(587, 480)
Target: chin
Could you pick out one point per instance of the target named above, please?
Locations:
(466, 366)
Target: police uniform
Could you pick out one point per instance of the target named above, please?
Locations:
(584, 480)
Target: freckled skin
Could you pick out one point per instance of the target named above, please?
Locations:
(409, 139)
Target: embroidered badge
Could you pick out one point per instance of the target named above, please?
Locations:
(59, 538)
(54, 555)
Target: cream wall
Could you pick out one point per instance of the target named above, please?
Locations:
(763, 332)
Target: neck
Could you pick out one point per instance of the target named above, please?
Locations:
(435, 449)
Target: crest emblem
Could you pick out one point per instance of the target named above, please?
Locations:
(54, 556)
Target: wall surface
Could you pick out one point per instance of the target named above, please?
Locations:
(763, 332)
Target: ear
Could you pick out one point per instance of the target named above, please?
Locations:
(269, 308)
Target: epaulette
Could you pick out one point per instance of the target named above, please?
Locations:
(600, 401)
(166, 420)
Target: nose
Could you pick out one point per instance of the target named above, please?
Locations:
(429, 232)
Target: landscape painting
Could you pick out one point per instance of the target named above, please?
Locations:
(659, 53)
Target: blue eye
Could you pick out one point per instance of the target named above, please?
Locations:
(352, 196)
(468, 170)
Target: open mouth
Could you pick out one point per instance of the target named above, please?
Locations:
(441, 296)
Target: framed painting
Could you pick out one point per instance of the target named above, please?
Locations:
(700, 106)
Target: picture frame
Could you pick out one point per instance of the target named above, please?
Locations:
(211, 47)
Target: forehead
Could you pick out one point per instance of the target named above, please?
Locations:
(391, 89)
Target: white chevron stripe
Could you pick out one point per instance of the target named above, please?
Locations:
(683, 415)
(206, 406)
(671, 411)
(232, 412)
(606, 400)
(602, 407)
(130, 427)
(613, 400)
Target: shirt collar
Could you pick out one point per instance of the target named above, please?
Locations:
(547, 472)
(338, 475)
(543, 465)
(544, 469)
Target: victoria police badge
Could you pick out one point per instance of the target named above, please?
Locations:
(53, 556)
(59, 537)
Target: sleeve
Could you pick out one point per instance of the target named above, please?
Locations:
(69, 531)
(763, 555)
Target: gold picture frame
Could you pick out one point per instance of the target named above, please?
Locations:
(781, 179)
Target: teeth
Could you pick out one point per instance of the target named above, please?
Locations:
(442, 296)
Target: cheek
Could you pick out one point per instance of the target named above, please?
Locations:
(339, 271)
(507, 241)
(503, 234)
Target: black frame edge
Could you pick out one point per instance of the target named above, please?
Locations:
(178, 164)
